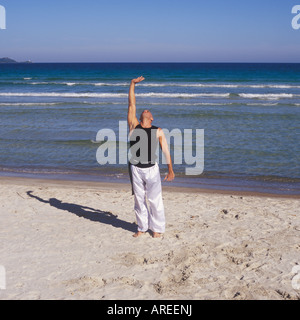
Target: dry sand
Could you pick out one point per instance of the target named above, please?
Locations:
(73, 240)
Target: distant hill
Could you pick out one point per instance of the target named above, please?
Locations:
(9, 60)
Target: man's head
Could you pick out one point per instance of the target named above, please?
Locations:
(146, 116)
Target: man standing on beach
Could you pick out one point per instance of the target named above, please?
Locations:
(145, 173)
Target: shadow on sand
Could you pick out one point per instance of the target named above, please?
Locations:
(88, 213)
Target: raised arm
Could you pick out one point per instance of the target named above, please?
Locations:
(131, 116)
(165, 149)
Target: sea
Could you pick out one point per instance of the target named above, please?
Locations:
(50, 114)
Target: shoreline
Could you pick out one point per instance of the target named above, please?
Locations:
(71, 183)
(216, 182)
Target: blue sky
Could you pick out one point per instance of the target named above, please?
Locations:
(150, 31)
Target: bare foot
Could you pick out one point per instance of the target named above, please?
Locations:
(138, 234)
(156, 235)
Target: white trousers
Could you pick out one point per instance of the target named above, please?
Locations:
(146, 184)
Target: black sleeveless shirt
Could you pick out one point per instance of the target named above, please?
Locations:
(148, 145)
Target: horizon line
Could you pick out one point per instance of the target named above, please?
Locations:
(128, 62)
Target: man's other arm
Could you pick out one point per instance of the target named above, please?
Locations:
(165, 149)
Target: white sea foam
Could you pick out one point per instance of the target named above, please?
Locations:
(266, 96)
(26, 104)
(112, 95)
(57, 83)
(184, 95)
(220, 85)
(62, 94)
(166, 84)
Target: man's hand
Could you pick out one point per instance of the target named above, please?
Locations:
(170, 176)
(137, 80)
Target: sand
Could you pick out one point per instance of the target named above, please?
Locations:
(73, 240)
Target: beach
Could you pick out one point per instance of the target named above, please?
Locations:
(99, 99)
(73, 240)
(67, 219)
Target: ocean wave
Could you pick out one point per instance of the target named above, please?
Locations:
(112, 95)
(264, 96)
(267, 96)
(65, 83)
(72, 82)
(174, 84)
(217, 85)
(184, 95)
(72, 103)
(63, 94)
(28, 104)
(188, 104)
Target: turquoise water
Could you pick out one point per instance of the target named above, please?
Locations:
(50, 115)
